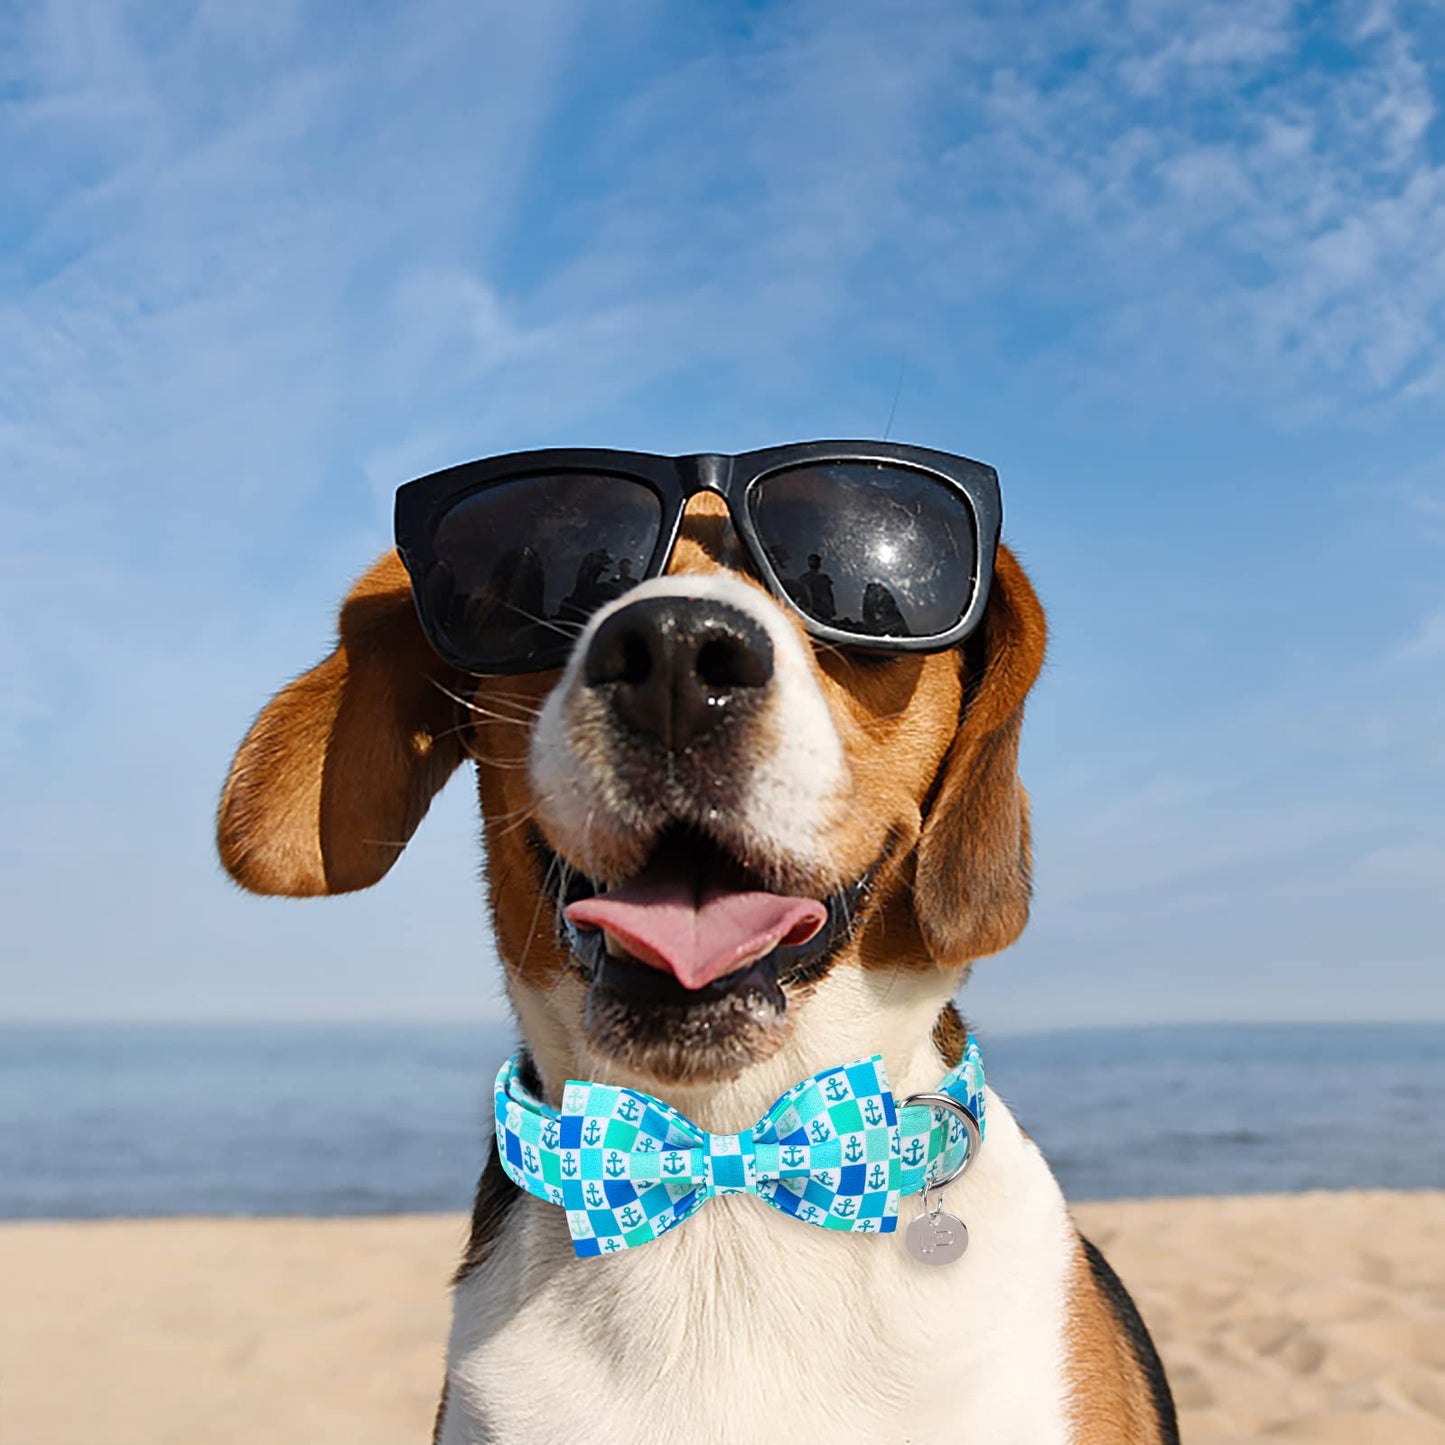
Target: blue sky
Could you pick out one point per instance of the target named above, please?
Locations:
(1176, 269)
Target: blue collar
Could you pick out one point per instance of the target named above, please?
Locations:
(834, 1151)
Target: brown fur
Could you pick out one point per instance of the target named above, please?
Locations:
(337, 771)
(1111, 1402)
(340, 767)
(909, 737)
(974, 858)
(950, 1035)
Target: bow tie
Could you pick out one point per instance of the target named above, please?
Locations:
(834, 1151)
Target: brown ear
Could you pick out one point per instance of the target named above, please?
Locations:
(971, 890)
(342, 765)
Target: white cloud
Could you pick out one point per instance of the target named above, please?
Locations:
(1205, 44)
(1247, 218)
(1427, 644)
(267, 273)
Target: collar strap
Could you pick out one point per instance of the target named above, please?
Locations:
(835, 1151)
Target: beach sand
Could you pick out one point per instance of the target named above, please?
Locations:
(1314, 1317)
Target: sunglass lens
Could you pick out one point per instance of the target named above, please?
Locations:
(519, 566)
(869, 548)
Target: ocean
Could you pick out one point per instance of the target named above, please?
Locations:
(123, 1121)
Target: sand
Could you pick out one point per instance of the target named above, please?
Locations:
(1316, 1317)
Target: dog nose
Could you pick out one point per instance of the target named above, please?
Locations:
(677, 666)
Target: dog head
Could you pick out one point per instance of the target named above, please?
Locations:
(713, 845)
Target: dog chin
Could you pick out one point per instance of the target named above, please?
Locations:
(649, 1023)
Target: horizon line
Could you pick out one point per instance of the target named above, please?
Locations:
(500, 1021)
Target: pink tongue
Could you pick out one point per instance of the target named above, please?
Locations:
(662, 922)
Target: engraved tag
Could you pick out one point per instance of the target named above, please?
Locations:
(936, 1238)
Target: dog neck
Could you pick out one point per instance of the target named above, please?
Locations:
(666, 1332)
(856, 1012)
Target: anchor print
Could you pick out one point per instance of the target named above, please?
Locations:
(631, 1216)
(594, 1197)
(554, 1194)
(872, 1113)
(866, 1225)
(529, 1159)
(835, 1089)
(914, 1157)
(792, 1155)
(569, 1163)
(844, 1208)
(853, 1151)
(614, 1168)
(825, 1179)
(672, 1164)
(551, 1135)
(820, 1130)
(809, 1212)
(612, 1246)
(646, 1144)
(592, 1133)
(629, 1108)
(876, 1176)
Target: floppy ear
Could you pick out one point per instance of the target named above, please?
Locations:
(341, 766)
(972, 886)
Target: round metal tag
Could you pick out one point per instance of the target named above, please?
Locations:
(936, 1238)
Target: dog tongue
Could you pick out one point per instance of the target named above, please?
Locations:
(665, 921)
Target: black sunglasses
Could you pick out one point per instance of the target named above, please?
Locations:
(873, 545)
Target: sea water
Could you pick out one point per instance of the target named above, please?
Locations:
(103, 1120)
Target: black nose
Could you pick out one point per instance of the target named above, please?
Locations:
(677, 666)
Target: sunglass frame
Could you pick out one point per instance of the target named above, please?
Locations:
(675, 480)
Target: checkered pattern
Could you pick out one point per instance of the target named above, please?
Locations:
(932, 1143)
(627, 1168)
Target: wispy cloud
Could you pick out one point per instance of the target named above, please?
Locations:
(1427, 644)
(260, 263)
(1247, 215)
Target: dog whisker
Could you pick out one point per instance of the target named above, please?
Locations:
(500, 764)
(505, 823)
(526, 709)
(561, 626)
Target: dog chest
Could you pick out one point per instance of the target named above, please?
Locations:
(742, 1324)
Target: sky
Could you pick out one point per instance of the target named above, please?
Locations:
(1175, 267)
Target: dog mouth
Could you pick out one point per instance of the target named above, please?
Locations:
(697, 914)
(687, 960)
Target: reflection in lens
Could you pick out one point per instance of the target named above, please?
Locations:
(882, 616)
(520, 566)
(869, 547)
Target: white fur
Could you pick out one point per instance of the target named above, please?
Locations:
(743, 1326)
(798, 783)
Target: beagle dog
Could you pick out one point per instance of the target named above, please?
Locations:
(751, 811)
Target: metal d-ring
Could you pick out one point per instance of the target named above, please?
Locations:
(965, 1117)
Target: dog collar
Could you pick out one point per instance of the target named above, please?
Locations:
(834, 1151)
